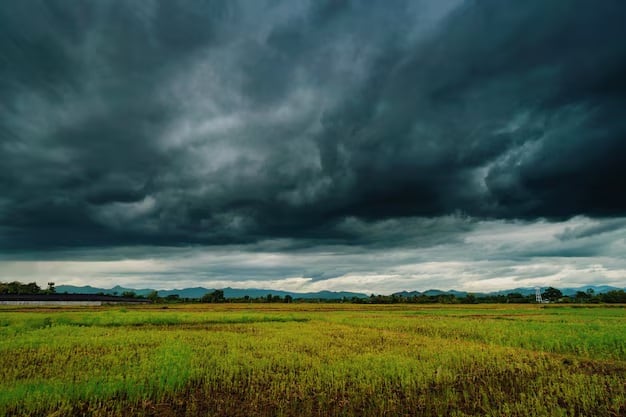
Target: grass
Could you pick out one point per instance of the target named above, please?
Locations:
(313, 360)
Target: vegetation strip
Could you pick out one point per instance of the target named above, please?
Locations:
(316, 360)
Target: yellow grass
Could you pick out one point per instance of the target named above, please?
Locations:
(313, 360)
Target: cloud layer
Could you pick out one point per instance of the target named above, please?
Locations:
(492, 255)
(345, 124)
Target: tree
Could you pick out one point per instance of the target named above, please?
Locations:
(552, 294)
(51, 289)
(216, 296)
(30, 288)
(129, 294)
(614, 296)
(582, 297)
(516, 297)
(470, 298)
(173, 298)
(288, 298)
(16, 287)
(153, 296)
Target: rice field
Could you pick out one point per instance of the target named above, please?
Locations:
(313, 360)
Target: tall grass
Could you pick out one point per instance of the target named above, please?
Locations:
(313, 361)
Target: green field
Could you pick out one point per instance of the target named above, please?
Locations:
(313, 360)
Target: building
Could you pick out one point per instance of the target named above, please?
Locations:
(67, 299)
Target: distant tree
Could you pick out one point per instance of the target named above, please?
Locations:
(16, 287)
(552, 294)
(581, 297)
(31, 288)
(614, 296)
(216, 296)
(51, 289)
(288, 298)
(173, 298)
(357, 300)
(129, 294)
(446, 299)
(470, 298)
(514, 297)
(153, 296)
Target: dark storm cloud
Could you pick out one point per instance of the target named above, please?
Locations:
(177, 122)
(504, 110)
(81, 108)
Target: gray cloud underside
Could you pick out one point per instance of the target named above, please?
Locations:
(491, 255)
(319, 123)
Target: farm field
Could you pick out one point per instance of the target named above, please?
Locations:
(313, 360)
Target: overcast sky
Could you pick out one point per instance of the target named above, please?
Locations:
(371, 146)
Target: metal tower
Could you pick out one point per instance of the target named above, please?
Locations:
(538, 295)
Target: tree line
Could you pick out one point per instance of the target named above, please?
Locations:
(549, 295)
(16, 287)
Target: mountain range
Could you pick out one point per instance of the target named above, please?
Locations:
(525, 291)
(197, 292)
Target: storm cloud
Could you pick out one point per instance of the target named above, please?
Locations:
(353, 125)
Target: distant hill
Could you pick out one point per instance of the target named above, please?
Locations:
(117, 290)
(433, 293)
(197, 292)
(569, 291)
(598, 289)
